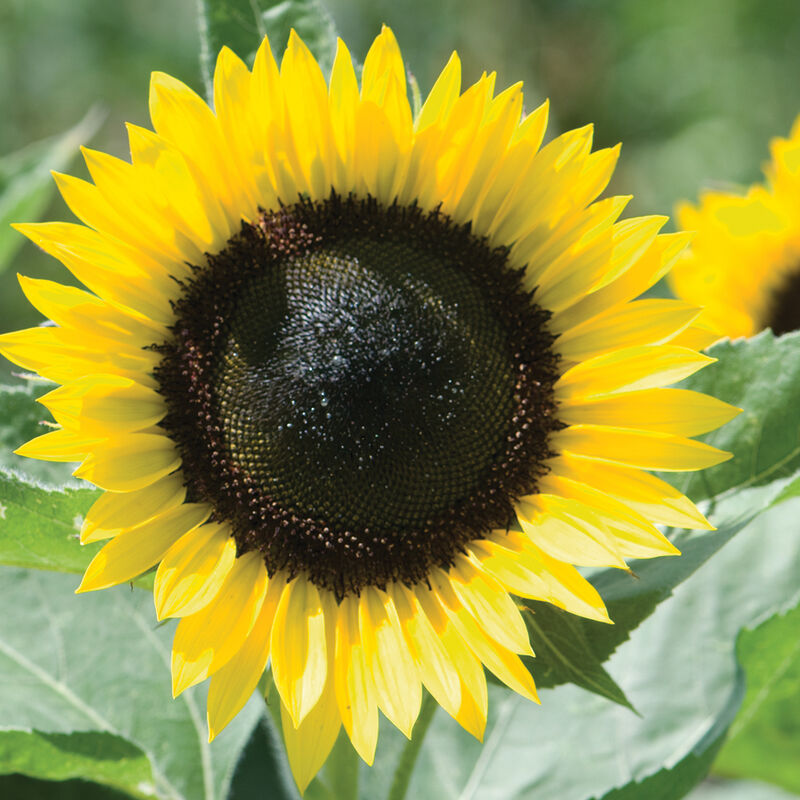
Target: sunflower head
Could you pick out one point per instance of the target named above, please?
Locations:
(351, 379)
(744, 264)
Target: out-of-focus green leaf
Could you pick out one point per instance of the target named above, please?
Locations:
(98, 663)
(678, 669)
(242, 24)
(264, 764)
(675, 782)
(764, 740)
(720, 789)
(20, 787)
(762, 376)
(40, 526)
(26, 185)
(99, 757)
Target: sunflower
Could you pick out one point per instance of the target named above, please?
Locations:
(351, 379)
(744, 265)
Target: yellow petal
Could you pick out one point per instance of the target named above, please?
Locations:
(63, 355)
(137, 549)
(343, 98)
(181, 117)
(397, 681)
(505, 664)
(658, 451)
(309, 744)
(299, 650)
(207, 640)
(433, 662)
(650, 496)
(105, 404)
(309, 117)
(677, 411)
(527, 571)
(639, 323)
(109, 269)
(192, 571)
(651, 267)
(233, 683)
(442, 96)
(474, 696)
(130, 462)
(490, 605)
(58, 445)
(634, 536)
(630, 369)
(355, 688)
(71, 307)
(568, 530)
(113, 512)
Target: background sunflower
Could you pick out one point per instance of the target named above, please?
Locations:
(655, 78)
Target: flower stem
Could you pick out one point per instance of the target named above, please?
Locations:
(405, 767)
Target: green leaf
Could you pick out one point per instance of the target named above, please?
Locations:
(242, 24)
(264, 764)
(20, 787)
(764, 740)
(678, 669)
(99, 757)
(98, 663)
(762, 376)
(40, 526)
(676, 782)
(26, 185)
(564, 653)
(717, 789)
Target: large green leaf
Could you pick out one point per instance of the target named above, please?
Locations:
(764, 740)
(678, 669)
(242, 24)
(20, 787)
(718, 789)
(100, 757)
(40, 526)
(98, 664)
(26, 185)
(762, 376)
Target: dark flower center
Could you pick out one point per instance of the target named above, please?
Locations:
(783, 315)
(359, 390)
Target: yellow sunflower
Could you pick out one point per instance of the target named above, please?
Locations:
(352, 379)
(744, 264)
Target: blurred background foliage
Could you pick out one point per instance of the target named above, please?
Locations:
(693, 88)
